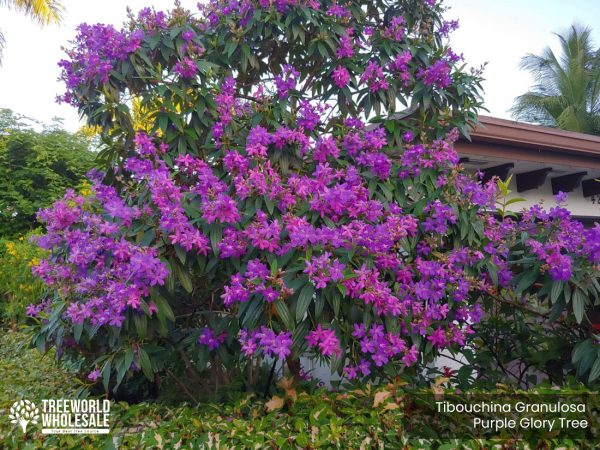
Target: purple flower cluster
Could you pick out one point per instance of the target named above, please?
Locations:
(379, 348)
(44, 306)
(437, 74)
(448, 26)
(309, 116)
(346, 46)
(167, 198)
(286, 81)
(186, 68)
(374, 76)
(226, 109)
(476, 193)
(439, 217)
(326, 341)
(324, 269)
(266, 341)
(100, 273)
(337, 10)
(241, 11)
(400, 65)
(395, 30)
(326, 147)
(152, 21)
(440, 156)
(341, 77)
(210, 339)
(256, 280)
(97, 49)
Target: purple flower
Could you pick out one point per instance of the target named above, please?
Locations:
(188, 35)
(341, 77)
(94, 374)
(437, 74)
(185, 68)
(324, 269)
(326, 340)
(561, 197)
(374, 76)
(286, 81)
(437, 338)
(265, 339)
(346, 47)
(210, 339)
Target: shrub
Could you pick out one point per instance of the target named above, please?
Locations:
(280, 205)
(18, 287)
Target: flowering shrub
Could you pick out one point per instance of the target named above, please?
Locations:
(538, 326)
(280, 206)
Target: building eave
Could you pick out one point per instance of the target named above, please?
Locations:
(523, 135)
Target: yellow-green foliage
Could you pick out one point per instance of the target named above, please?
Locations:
(18, 287)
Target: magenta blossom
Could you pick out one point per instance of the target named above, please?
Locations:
(341, 76)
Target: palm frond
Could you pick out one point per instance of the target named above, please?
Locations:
(566, 92)
(43, 11)
(2, 42)
(537, 108)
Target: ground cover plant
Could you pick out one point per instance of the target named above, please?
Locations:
(293, 191)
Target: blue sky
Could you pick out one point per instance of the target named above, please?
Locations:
(499, 32)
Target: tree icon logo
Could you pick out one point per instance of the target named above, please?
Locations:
(24, 412)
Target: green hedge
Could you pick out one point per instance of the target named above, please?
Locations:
(292, 420)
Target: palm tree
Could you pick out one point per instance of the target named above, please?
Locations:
(44, 12)
(567, 90)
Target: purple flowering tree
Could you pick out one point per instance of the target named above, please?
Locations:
(298, 195)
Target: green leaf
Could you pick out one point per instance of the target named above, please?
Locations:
(557, 287)
(527, 279)
(141, 325)
(284, 314)
(163, 307)
(595, 372)
(185, 279)
(77, 329)
(580, 350)
(216, 234)
(304, 300)
(146, 365)
(128, 358)
(106, 375)
(578, 305)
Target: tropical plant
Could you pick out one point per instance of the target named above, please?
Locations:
(567, 90)
(276, 204)
(35, 169)
(44, 12)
